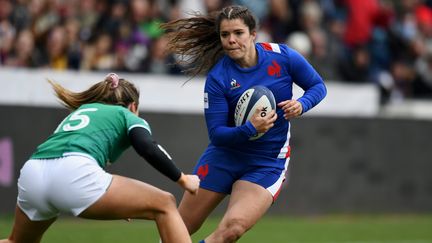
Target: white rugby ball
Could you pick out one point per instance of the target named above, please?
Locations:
(249, 101)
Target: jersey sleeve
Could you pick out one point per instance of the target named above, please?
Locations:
(143, 143)
(216, 115)
(133, 121)
(153, 153)
(305, 76)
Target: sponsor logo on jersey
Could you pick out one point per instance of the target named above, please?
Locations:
(274, 69)
(234, 84)
(206, 102)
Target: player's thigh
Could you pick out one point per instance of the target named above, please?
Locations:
(130, 198)
(194, 209)
(247, 204)
(27, 231)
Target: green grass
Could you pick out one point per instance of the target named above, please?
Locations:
(271, 229)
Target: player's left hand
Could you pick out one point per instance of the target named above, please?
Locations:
(291, 108)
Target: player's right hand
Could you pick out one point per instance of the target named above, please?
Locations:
(189, 182)
(263, 123)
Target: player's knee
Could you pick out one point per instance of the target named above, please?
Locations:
(167, 202)
(165, 206)
(233, 230)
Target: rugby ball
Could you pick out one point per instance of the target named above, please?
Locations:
(249, 101)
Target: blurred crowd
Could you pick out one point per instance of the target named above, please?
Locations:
(386, 42)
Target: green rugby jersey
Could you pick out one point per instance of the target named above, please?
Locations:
(96, 129)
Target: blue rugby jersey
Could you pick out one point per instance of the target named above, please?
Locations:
(278, 68)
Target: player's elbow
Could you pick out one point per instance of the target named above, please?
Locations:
(323, 89)
(217, 141)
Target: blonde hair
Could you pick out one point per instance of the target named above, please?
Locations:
(196, 40)
(103, 92)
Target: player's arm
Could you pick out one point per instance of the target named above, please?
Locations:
(156, 156)
(216, 115)
(308, 79)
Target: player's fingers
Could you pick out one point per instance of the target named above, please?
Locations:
(288, 106)
(283, 103)
(273, 116)
(195, 181)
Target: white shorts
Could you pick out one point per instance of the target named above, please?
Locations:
(69, 184)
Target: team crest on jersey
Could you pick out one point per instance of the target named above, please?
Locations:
(274, 69)
(234, 84)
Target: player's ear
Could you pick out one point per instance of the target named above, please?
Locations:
(253, 34)
(133, 107)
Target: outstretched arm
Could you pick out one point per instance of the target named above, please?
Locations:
(156, 156)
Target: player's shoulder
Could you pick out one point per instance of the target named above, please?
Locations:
(219, 71)
(220, 66)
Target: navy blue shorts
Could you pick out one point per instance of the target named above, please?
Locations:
(218, 169)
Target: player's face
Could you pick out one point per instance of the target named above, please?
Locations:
(237, 41)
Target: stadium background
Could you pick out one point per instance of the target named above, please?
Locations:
(365, 149)
(355, 160)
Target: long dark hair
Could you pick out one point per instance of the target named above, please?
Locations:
(196, 40)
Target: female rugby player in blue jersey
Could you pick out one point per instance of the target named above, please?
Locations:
(222, 46)
(66, 174)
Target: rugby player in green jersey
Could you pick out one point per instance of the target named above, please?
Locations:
(66, 173)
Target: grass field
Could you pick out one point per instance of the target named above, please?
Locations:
(271, 229)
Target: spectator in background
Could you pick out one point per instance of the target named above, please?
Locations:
(45, 19)
(111, 20)
(136, 41)
(278, 23)
(423, 67)
(7, 31)
(405, 78)
(324, 56)
(99, 55)
(310, 15)
(362, 17)
(159, 60)
(423, 14)
(259, 7)
(20, 17)
(357, 66)
(88, 16)
(24, 53)
(73, 43)
(56, 49)
(387, 29)
(365, 39)
(300, 42)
